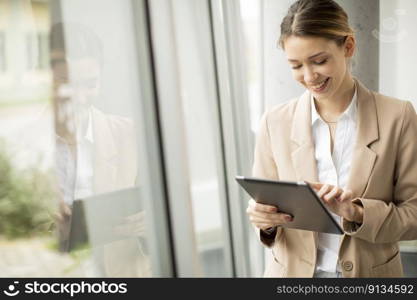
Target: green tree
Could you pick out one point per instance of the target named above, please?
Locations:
(26, 199)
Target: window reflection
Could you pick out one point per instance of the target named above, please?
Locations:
(27, 181)
(96, 155)
(70, 194)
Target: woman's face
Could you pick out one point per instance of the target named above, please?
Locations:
(319, 64)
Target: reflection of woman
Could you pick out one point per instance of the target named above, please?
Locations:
(96, 151)
(360, 145)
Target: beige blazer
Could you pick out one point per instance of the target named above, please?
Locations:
(114, 168)
(383, 179)
(115, 152)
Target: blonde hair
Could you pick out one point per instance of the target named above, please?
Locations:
(319, 18)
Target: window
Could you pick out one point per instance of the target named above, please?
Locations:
(80, 173)
(190, 121)
(37, 47)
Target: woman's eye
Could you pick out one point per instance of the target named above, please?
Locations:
(321, 62)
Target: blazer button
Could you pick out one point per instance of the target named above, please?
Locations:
(347, 265)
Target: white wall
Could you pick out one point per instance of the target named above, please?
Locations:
(279, 86)
(398, 45)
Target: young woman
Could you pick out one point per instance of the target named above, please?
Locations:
(357, 148)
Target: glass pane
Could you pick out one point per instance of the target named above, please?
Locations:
(198, 91)
(71, 198)
(27, 173)
(251, 22)
(396, 55)
(250, 11)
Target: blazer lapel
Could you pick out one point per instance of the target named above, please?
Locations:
(105, 154)
(303, 151)
(364, 158)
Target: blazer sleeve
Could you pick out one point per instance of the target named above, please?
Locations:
(397, 220)
(264, 167)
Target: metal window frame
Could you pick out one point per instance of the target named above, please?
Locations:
(238, 141)
(184, 239)
(184, 243)
(158, 218)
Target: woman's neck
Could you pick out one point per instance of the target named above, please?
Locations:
(331, 108)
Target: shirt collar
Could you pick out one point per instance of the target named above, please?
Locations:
(350, 111)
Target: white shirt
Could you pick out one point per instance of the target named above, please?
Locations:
(333, 168)
(76, 174)
(84, 177)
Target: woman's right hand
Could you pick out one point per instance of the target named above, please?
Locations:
(265, 216)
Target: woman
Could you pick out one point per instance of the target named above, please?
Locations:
(357, 148)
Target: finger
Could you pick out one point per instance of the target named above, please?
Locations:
(324, 190)
(274, 219)
(140, 229)
(267, 215)
(333, 194)
(346, 196)
(315, 185)
(256, 219)
(263, 207)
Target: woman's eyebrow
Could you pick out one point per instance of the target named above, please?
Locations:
(310, 57)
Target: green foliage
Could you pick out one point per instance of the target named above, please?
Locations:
(26, 199)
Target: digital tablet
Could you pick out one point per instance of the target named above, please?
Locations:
(95, 218)
(297, 199)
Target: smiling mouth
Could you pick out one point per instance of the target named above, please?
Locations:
(321, 86)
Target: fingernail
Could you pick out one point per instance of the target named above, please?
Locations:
(288, 218)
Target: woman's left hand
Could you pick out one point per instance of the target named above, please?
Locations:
(338, 201)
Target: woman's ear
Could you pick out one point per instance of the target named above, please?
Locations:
(349, 46)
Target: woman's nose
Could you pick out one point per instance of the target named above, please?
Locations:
(309, 75)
